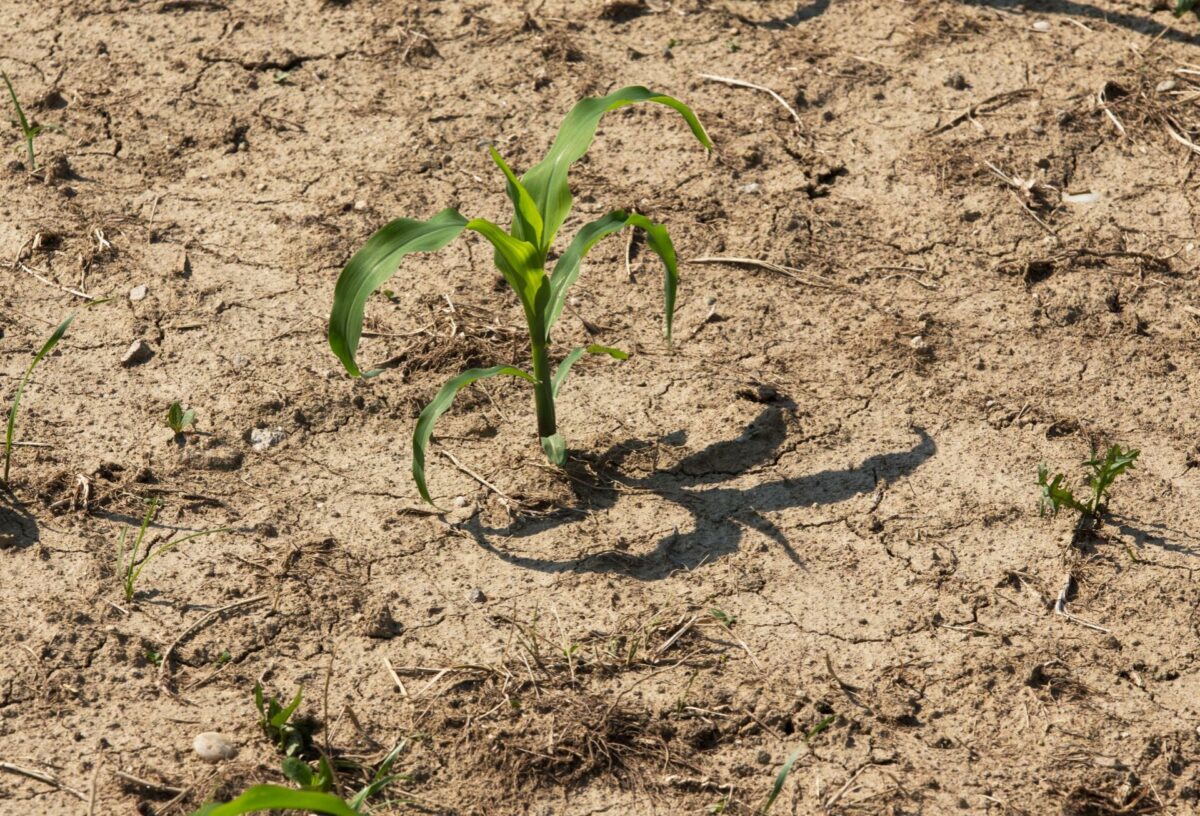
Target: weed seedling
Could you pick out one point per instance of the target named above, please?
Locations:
(1056, 495)
(129, 568)
(178, 419)
(781, 778)
(28, 131)
(11, 428)
(541, 201)
(274, 718)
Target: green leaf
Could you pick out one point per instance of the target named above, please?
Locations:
(284, 714)
(566, 269)
(555, 448)
(274, 797)
(438, 405)
(1182, 6)
(564, 368)
(47, 347)
(547, 181)
(521, 264)
(527, 221)
(1056, 495)
(27, 131)
(297, 771)
(372, 265)
(781, 779)
(1105, 471)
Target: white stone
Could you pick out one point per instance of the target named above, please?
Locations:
(1041, 25)
(138, 352)
(263, 438)
(138, 293)
(1165, 85)
(212, 747)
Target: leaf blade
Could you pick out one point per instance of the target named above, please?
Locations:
(373, 264)
(423, 432)
(564, 368)
(11, 427)
(547, 180)
(527, 220)
(274, 797)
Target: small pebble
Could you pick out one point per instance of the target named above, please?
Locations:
(360, 206)
(459, 501)
(1041, 25)
(1166, 85)
(138, 293)
(752, 187)
(957, 81)
(477, 596)
(139, 352)
(263, 438)
(212, 747)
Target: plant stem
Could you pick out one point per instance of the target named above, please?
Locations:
(543, 391)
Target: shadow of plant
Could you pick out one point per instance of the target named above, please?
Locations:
(720, 513)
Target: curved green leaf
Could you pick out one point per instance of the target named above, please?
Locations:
(564, 368)
(547, 181)
(10, 429)
(274, 797)
(438, 405)
(527, 221)
(555, 448)
(377, 261)
(566, 269)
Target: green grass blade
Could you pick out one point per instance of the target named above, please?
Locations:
(566, 269)
(47, 347)
(284, 714)
(274, 797)
(781, 778)
(527, 221)
(438, 405)
(371, 266)
(564, 368)
(547, 181)
(27, 132)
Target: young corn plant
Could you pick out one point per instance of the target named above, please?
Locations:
(541, 200)
(1056, 495)
(28, 131)
(275, 720)
(11, 427)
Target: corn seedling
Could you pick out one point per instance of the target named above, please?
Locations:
(179, 419)
(47, 347)
(28, 131)
(129, 568)
(541, 201)
(274, 718)
(781, 778)
(1056, 495)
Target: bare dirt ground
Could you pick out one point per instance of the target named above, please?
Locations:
(837, 459)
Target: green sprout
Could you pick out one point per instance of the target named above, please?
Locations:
(28, 131)
(128, 566)
(179, 419)
(781, 778)
(1184, 6)
(1056, 495)
(47, 347)
(541, 203)
(274, 718)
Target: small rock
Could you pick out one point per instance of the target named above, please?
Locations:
(138, 353)
(57, 169)
(957, 81)
(1041, 25)
(917, 343)
(477, 596)
(183, 265)
(212, 747)
(752, 187)
(263, 438)
(459, 501)
(360, 206)
(763, 758)
(138, 293)
(1165, 85)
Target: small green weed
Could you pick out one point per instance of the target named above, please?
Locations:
(1184, 6)
(129, 568)
(28, 131)
(179, 419)
(781, 779)
(275, 720)
(541, 202)
(1056, 495)
(47, 347)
